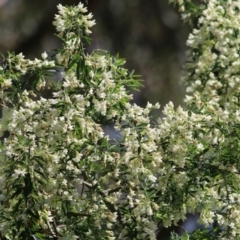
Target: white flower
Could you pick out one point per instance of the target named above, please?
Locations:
(82, 8)
(90, 23)
(44, 55)
(7, 83)
(19, 172)
(152, 178)
(91, 74)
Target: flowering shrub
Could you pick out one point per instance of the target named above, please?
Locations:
(63, 178)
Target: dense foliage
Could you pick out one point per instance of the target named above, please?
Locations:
(62, 177)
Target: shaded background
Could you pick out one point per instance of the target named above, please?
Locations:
(148, 34)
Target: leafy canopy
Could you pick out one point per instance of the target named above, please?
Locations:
(62, 177)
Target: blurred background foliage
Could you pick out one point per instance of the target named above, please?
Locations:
(148, 34)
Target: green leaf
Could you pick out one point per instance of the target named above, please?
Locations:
(28, 185)
(17, 192)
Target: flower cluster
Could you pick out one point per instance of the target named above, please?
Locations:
(214, 55)
(72, 19)
(62, 177)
